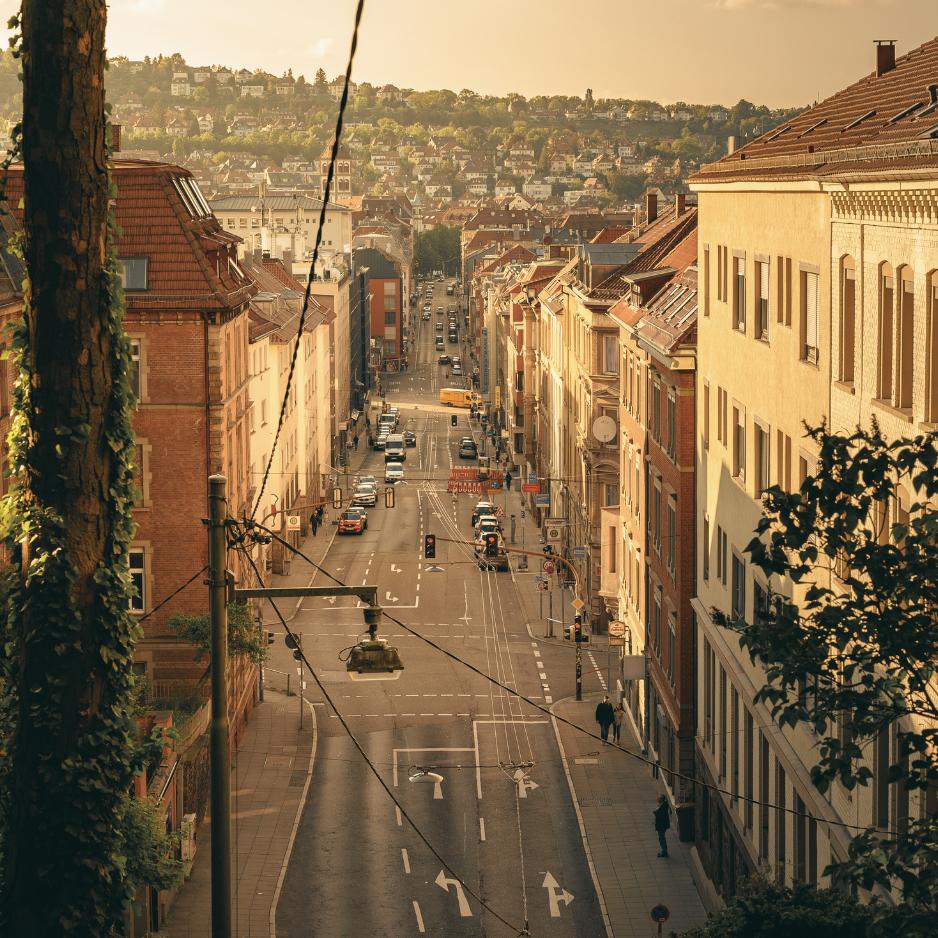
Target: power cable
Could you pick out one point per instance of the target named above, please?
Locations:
(672, 773)
(174, 593)
(307, 295)
(373, 768)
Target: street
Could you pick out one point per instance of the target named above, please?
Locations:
(502, 817)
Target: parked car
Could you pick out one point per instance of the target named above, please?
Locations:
(410, 438)
(467, 449)
(439, 327)
(367, 480)
(380, 441)
(482, 508)
(353, 521)
(426, 316)
(393, 472)
(364, 496)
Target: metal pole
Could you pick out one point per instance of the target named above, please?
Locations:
(551, 606)
(579, 674)
(300, 642)
(221, 757)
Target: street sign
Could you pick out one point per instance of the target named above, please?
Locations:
(577, 604)
(547, 567)
(532, 477)
(616, 641)
(579, 553)
(293, 522)
(534, 487)
(553, 533)
(660, 913)
(542, 586)
(542, 501)
(617, 628)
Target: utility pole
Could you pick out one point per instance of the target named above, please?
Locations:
(579, 673)
(221, 757)
(302, 678)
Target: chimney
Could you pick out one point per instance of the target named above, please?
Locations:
(730, 144)
(651, 207)
(680, 203)
(114, 137)
(885, 56)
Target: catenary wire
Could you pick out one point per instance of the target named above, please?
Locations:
(307, 295)
(651, 763)
(374, 771)
(174, 593)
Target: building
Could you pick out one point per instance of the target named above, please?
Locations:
(818, 243)
(342, 175)
(385, 301)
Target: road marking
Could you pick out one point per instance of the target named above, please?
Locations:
(444, 882)
(397, 815)
(537, 654)
(555, 897)
(482, 828)
(548, 699)
(420, 927)
(406, 860)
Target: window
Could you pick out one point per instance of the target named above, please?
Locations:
(747, 768)
(783, 460)
(739, 293)
(905, 349)
(763, 464)
(799, 836)
(762, 300)
(721, 555)
(931, 353)
(138, 579)
(763, 797)
(721, 415)
(672, 646)
(739, 443)
(672, 425)
(656, 518)
(780, 818)
(884, 375)
(672, 536)
(656, 412)
(783, 290)
(848, 320)
(610, 494)
(734, 741)
(708, 694)
(610, 355)
(760, 602)
(706, 415)
(134, 369)
(739, 587)
(656, 622)
(723, 727)
(242, 223)
(706, 281)
(612, 548)
(809, 316)
(390, 318)
(133, 271)
(141, 474)
(705, 550)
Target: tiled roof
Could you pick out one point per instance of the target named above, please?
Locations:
(272, 203)
(887, 122)
(670, 318)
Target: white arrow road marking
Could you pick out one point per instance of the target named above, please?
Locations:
(437, 791)
(524, 783)
(444, 883)
(331, 599)
(554, 897)
(389, 597)
(396, 569)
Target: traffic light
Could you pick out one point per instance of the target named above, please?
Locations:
(578, 628)
(453, 420)
(295, 642)
(270, 638)
(429, 546)
(491, 545)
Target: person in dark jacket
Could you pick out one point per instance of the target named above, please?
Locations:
(605, 717)
(662, 824)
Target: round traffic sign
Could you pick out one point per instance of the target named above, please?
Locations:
(542, 585)
(548, 566)
(617, 628)
(660, 913)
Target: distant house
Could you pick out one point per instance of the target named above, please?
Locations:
(252, 90)
(201, 75)
(223, 76)
(284, 86)
(206, 123)
(537, 189)
(181, 88)
(718, 114)
(505, 187)
(177, 127)
(389, 93)
(478, 187)
(135, 67)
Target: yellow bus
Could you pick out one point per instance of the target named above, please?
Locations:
(459, 397)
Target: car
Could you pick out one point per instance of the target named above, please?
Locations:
(387, 422)
(426, 317)
(482, 508)
(468, 450)
(410, 438)
(439, 327)
(364, 496)
(439, 343)
(457, 369)
(367, 480)
(453, 338)
(439, 310)
(353, 521)
(488, 524)
(380, 441)
(443, 360)
(393, 472)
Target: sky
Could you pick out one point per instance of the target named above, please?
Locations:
(774, 52)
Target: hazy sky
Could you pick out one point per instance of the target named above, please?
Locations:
(775, 52)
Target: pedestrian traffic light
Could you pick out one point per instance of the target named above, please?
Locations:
(491, 545)
(270, 638)
(453, 420)
(578, 628)
(429, 546)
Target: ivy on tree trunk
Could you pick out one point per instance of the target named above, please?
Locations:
(67, 759)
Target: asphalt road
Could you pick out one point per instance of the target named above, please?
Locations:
(502, 818)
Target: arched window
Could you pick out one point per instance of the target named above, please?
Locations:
(885, 332)
(848, 295)
(905, 347)
(931, 350)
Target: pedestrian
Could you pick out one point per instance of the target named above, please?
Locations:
(605, 717)
(662, 824)
(314, 522)
(355, 442)
(618, 715)
(321, 515)
(371, 441)
(507, 480)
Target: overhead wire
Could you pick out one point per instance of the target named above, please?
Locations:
(374, 771)
(173, 594)
(320, 228)
(651, 763)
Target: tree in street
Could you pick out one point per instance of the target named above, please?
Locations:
(856, 658)
(67, 751)
(437, 249)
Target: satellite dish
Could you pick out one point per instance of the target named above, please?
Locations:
(604, 429)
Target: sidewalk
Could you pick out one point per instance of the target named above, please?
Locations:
(269, 779)
(614, 796)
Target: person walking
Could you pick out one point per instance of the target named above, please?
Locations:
(662, 824)
(321, 515)
(508, 478)
(355, 443)
(314, 522)
(605, 717)
(618, 715)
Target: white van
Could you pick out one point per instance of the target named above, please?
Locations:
(394, 450)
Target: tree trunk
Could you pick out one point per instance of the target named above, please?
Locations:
(70, 745)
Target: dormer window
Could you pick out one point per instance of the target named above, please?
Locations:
(133, 272)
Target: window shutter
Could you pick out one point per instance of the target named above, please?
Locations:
(763, 281)
(811, 300)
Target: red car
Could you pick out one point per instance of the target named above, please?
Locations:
(353, 521)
